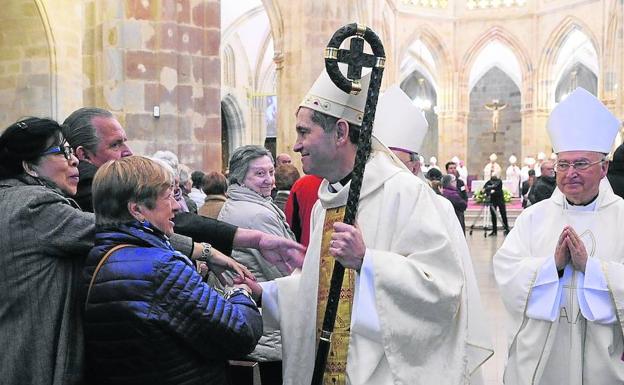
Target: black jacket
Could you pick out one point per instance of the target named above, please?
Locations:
(542, 188)
(616, 171)
(494, 189)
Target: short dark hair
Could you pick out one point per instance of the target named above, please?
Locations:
(448, 164)
(531, 172)
(285, 176)
(434, 174)
(328, 122)
(78, 128)
(214, 183)
(197, 178)
(25, 141)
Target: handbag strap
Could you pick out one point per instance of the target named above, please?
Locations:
(99, 265)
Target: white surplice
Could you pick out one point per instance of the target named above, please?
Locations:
(413, 321)
(564, 330)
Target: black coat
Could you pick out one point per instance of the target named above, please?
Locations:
(616, 171)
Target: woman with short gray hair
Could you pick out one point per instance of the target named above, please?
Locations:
(249, 205)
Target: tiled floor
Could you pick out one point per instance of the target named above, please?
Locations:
(482, 249)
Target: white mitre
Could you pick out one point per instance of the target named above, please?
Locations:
(399, 124)
(493, 157)
(582, 123)
(325, 97)
(513, 159)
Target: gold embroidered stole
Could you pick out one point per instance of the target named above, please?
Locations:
(335, 371)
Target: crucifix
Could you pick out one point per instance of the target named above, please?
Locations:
(495, 106)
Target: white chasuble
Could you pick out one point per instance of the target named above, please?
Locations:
(564, 330)
(410, 316)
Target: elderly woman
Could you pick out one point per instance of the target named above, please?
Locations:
(450, 192)
(149, 318)
(45, 240)
(249, 205)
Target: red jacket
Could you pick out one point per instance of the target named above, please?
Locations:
(303, 195)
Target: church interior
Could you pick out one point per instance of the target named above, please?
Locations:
(203, 77)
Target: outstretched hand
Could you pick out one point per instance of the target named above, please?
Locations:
(220, 263)
(285, 254)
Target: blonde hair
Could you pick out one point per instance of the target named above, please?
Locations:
(130, 179)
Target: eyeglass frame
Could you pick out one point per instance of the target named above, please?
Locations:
(64, 149)
(575, 163)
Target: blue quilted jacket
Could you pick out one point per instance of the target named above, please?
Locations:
(150, 319)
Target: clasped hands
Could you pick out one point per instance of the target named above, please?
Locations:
(570, 248)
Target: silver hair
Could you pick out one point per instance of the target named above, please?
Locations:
(168, 158)
(240, 159)
(447, 180)
(185, 173)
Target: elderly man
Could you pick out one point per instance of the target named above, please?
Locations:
(545, 184)
(560, 270)
(401, 316)
(97, 137)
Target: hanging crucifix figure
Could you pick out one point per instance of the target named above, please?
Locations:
(495, 106)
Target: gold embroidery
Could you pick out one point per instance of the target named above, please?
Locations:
(335, 371)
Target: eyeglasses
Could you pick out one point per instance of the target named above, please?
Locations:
(66, 150)
(577, 165)
(414, 157)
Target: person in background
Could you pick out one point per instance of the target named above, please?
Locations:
(616, 171)
(214, 187)
(45, 240)
(171, 160)
(492, 168)
(451, 168)
(450, 192)
(434, 177)
(196, 194)
(527, 185)
(249, 205)
(169, 326)
(545, 184)
(285, 176)
(282, 159)
(186, 184)
(303, 195)
(494, 191)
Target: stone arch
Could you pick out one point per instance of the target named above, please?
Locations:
(232, 127)
(29, 82)
(276, 22)
(506, 38)
(441, 73)
(550, 52)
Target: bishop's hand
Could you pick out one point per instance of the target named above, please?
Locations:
(347, 245)
(562, 252)
(578, 252)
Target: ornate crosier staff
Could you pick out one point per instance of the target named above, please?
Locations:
(356, 60)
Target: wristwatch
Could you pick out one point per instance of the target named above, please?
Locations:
(206, 254)
(238, 290)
